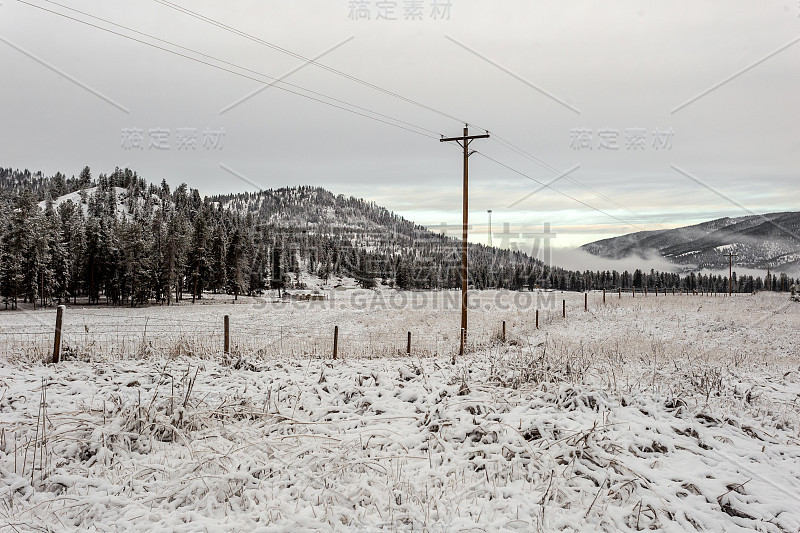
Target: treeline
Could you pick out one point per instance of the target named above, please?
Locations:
(118, 240)
(589, 280)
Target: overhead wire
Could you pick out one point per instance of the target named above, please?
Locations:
(508, 144)
(273, 46)
(274, 79)
(558, 191)
(397, 122)
(545, 165)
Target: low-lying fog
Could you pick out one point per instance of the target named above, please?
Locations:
(577, 259)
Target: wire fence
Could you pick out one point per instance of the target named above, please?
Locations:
(100, 335)
(148, 337)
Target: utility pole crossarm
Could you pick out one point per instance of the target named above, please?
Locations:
(464, 138)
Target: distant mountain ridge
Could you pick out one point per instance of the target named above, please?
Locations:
(761, 241)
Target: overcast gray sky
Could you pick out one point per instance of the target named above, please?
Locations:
(700, 100)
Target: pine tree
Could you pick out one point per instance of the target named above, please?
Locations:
(58, 270)
(236, 261)
(198, 269)
(402, 279)
(217, 265)
(85, 178)
(11, 274)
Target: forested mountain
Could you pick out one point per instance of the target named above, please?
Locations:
(760, 241)
(117, 239)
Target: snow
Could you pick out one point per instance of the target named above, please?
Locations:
(122, 195)
(675, 413)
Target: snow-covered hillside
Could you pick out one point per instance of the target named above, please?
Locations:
(761, 241)
(122, 196)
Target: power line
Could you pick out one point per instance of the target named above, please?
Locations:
(558, 191)
(532, 157)
(236, 31)
(275, 80)
(396, 122)
(273, 46)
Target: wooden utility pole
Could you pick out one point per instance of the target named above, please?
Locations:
(464, 142)
(730, 272)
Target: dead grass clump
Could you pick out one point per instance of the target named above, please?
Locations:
(550, 361)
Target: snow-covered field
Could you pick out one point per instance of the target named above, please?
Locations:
(676, 413)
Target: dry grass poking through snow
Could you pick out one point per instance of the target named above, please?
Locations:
(681, 415)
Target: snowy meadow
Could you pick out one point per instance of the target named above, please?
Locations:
(669, 412)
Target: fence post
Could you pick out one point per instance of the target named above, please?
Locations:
(537, 319)
(673, 291)
(335, 341)
(645, 291)
(408, 345)
(620, 292)
(227, 335)
(563, 309)
(57, 341)
(504, 331)
(585, 301)
(633, 291)
(604, 296)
